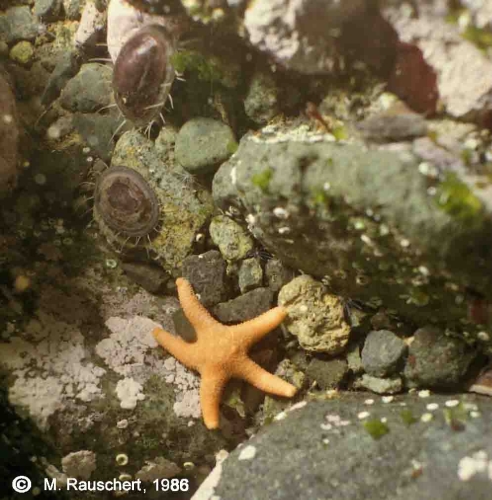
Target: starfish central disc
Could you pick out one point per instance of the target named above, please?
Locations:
(221, 352)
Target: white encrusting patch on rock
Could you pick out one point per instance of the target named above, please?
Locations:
(247, 453)
(132, 351)
(129, 392)
(79, 464)
(49, 361)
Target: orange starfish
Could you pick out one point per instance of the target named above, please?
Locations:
(221, 352)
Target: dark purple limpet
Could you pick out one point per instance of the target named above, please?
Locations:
(143, 74)
(126, 202)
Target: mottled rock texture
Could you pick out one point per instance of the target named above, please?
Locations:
(325, 450)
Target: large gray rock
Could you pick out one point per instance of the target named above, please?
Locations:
(435, 360)
(376, 222)
(343, 449)
(382, 353)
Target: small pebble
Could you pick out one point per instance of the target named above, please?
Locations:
(426, 417)
(432, 406)
(424, 394)
(363, 414)
(387, 399)
(369, 401)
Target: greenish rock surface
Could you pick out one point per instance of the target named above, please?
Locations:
(370, 220)
(203, 143)
(261, 103)
(18, 23)
(324, 450)
(233, 241)
(277, 275)
(250, 275)
(89, 90)
(315, 316)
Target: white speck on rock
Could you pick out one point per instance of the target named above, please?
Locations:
(129, 392)
(452, 403)
(79, 464)
(247, 453)
(469, 466)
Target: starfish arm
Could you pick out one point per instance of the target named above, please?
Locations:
(254, 374)
(176, 346)
(255, 329)
(211, 388)
(194, 310)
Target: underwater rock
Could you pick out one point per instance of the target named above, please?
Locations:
(203, 144)
(206, 273)
(89, 90)
(382, 352)
(18, 23)
(328, 374)
(9, 137)
(261, 102)
(245, 307)
(277, 275)
(435, 360)
(378, 223)
(250, 275)
(233, 241)
(379, 385)
(315, 316)
(396, 453)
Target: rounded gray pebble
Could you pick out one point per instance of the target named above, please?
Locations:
(203, 144)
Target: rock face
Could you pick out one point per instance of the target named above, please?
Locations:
(342, 449)
(377, 222)
(9, 137)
